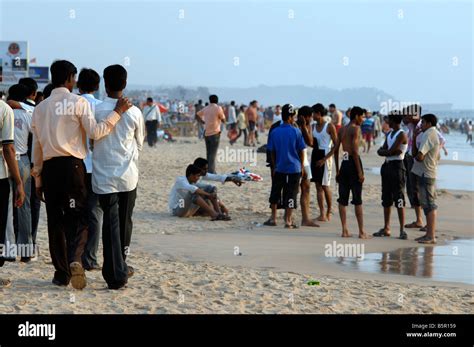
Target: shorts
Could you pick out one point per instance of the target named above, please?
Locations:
(288, 184)
(317, 172)
(368, 137)
(411, 182)
(349, 182)
(190, 207)
(427, 189)
(393, 183)
(251, 125)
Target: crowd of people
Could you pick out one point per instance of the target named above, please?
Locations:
(79, 156)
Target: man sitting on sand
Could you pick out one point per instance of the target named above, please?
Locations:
(393, 175)
(351, 175)
(187, 199)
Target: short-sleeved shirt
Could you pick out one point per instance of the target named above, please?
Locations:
(287, 142)
(212, 115)
(429, 147)
(367, 125)
(180, 190)
(22, 130)
(7, 134)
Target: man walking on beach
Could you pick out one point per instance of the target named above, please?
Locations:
(425, 166)
(8, 167)
(251, 115)
(393, 175)
(213, 116)
(351, 175)
(200, 123)
(115, 177)
(152, 116)
(286, 145)
(88, 84)
(22, 215)
(60, 126)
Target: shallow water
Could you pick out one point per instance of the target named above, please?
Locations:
(454, 177)
(453, 262)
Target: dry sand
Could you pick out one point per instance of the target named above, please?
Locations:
(189, 266)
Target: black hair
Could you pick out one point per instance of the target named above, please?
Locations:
(319, 108)
(18, 92)
(47, 90)
(287, 111)
(149, 99)
(232, 102)
(199, 101)
(200, 162)
(30, 84)
(356, 111)
(305, 111)
(253, 102)
(61, 71)
(242, 108)
(115, 78)
(192, 170)
(332, 105)
(213, 99)
(395, 117)
(88, 80)
(278, 106)
(430, 118)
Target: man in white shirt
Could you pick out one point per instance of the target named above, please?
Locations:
(115, 177)
(35, 204)
(232, 117)
(8, 167)
(88, 83)
(22, 215)
(152, 115)
(187, 199)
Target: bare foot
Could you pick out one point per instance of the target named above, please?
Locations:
(345, 233)
(322, 218)
(309, 223)
(328, 216)
(364, 236)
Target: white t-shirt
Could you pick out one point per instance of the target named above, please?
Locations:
(232, 115)
(22, 130)
(7, 134)
(152, 113)
(179, 192)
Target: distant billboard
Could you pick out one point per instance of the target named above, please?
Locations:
(14, 60)
(40, 73)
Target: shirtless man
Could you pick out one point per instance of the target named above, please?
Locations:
(351, 175)
(336, 117)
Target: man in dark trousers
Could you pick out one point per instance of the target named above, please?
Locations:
(61, 124)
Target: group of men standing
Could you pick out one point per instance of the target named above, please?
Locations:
(85, 168)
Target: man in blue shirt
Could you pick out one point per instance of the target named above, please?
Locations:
(286, 145)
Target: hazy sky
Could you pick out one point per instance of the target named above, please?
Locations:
(415, 50)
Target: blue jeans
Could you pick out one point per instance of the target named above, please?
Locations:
(94, 215)
(22, 215)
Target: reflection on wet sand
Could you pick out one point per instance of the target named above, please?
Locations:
(452, 262)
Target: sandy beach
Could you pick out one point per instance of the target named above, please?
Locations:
(189, 266)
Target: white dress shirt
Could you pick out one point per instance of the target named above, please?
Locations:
(179, 192)
(93, 102)
(7, 134)
(152, 113)
(115, 157)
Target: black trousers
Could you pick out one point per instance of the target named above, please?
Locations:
(151, 136)
(65, 193)
(212, 144)
(116, 234)
(4, 197)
